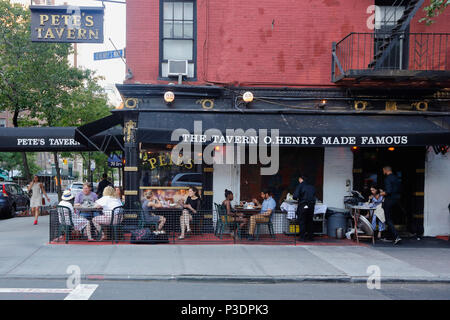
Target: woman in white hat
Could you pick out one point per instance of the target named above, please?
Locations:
(80, 223)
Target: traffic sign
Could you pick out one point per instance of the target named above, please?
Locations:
(92, 165)
(104, 55)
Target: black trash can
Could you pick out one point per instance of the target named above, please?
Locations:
(336, 218)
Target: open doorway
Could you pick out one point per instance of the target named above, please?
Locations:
(408, 164)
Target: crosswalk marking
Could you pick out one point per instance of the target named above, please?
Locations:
(34, 290)
(80, 292)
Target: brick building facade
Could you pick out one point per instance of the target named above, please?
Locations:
(315, 68)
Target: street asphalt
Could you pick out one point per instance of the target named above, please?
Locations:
(193, 290)
(26, 254)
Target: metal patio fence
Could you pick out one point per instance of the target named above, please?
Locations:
(164, 226)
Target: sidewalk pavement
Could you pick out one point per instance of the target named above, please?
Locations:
(25, 253)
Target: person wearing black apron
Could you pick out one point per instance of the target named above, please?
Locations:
(306, 196)
(391, 194)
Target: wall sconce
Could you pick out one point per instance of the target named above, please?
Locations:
(322, 104)
(391, 148)
(247, 97)
(169, 97)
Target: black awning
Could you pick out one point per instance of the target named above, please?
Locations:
(43, 139)
(85, 134)
(301, 129)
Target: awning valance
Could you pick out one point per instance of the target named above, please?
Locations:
(43, 139)
(298, 129)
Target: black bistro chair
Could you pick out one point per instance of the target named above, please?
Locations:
(225, 221)
(116, 215)
(269, 225)
(65, 222)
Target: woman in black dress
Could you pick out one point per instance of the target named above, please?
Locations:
(191, 207)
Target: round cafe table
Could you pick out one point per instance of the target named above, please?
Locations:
(88, 212)
(247, 213)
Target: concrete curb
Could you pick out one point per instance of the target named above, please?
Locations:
(233, 279)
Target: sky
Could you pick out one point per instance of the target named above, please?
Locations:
(115, 28)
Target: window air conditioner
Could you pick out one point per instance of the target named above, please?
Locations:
(177, 68)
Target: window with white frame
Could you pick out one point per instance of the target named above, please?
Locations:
(2, 123)
(387, 16)
(177, 34)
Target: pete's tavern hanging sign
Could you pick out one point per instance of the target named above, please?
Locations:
(67, 24)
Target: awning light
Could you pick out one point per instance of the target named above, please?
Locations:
(247, 97)
(169, 97)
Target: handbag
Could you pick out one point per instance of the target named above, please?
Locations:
(43, 201)
(141, 235)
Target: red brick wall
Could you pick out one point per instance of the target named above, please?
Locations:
(256, 42)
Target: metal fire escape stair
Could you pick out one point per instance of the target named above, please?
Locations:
(411, 8)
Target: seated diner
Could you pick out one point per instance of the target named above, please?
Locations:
(151, 203)
(107, 203)
(267, 208)
(232, 214)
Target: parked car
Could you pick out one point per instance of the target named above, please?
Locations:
(12, 199)
(75, 188)
(187, 180)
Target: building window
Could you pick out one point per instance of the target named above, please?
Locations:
(386, 17)
(177, 34)
(2, 123)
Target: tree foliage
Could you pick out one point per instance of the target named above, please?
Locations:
(10, 161)
(435, 8)
(37, 83)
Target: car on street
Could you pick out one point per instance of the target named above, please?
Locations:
(75, 188)
(12, 199)
(187, 180)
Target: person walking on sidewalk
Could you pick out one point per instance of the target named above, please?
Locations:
(38, 191)
(102, 185)
(391, 194)
(306, 196)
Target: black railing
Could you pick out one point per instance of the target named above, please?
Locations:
(135, 226)
(386, 54)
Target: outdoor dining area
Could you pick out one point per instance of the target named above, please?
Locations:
(167, 223)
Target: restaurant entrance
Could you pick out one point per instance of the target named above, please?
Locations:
(292, 162)
(408, 164)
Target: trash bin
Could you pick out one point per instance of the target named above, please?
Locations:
(336, 218)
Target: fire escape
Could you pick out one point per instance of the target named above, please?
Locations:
(392, 52)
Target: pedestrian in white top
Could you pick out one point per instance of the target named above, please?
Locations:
(107, 203)
(80, 223)
(36, 198)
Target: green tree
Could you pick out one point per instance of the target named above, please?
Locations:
(435, 8)
(13, 161)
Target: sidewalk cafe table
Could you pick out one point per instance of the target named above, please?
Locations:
(367, 227)
(247, 213)
(88, 212)
(290, 206)
(172, 215)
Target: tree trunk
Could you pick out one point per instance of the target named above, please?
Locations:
(58, 176)
(26, 168)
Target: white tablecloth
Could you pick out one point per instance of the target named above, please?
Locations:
(291, 209)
